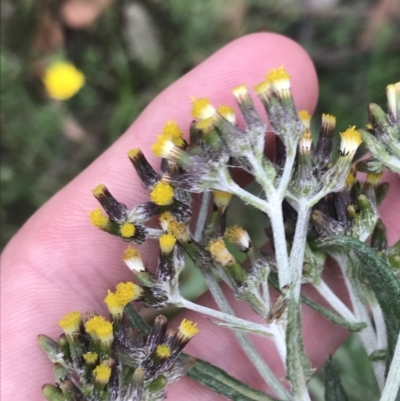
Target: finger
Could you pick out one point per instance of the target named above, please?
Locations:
(62, 224)
(58, 262)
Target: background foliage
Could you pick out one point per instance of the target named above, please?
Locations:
(131, 50)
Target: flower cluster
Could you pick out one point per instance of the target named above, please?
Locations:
(307, 192)
(98, 359)
(383, 135)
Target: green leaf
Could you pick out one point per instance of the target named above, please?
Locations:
(222, 383)
(136, 320)
(299, 368)
(383, 283)
(333, 387)
(205, 373)
(333, 316)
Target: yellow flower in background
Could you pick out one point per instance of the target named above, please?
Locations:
(62, 80)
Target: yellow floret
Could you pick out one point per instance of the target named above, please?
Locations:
(164, 147)
(63, 80)
(92, 324)
(280, 81)
(128, 292)
(167, 243)
(240, 92)
(238, 235)
(305, 118)
(127, 230)
(70, 322)
(133, 259)
(98, 219)
(350, 141)
(102, 373)
(99, 190)
(263, 88)
(203, 109)
(206, 125)
(131, 252)
(104, 332)
(162, 194)
(90, 357)
(113, 304)
(187, 329)
(219, 252)
(179, 230)
(163, 351)
(228, 113)
(305, 142)
(328, 121)
(222, 199)
(133, 153)
(276, 75)
(165, 218)
(172, 131)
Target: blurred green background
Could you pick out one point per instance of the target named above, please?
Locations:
(131, 50)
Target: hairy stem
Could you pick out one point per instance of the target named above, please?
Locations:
(278, 231)
(287, 170)
(224, 317)
(392, 385)
(299, 245)
(248, 347)
(202, 217)
(336, 303)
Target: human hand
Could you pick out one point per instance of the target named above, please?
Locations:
(58, 262)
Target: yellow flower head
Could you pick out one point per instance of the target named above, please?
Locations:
(222, 199)
(305, 142)
(187, 330)
(162, 194)
(133, 259)
(102, 373)
(98, 219)
(63, 80)
(280, 81)
(219, 252)
(239, 236)
(90, 357)
(328, 122)
(165, 147)
(163, 351)
(305, 118)
(70, 322)
(164, 219)
(127, 292)
(240, 92)
(228, 113)
(263, 89)
(350, 141)
(114, 304)
(203, 109)
(127, 230)
(167, 243)
(172, 131)
(179, 230)
(93, 324)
